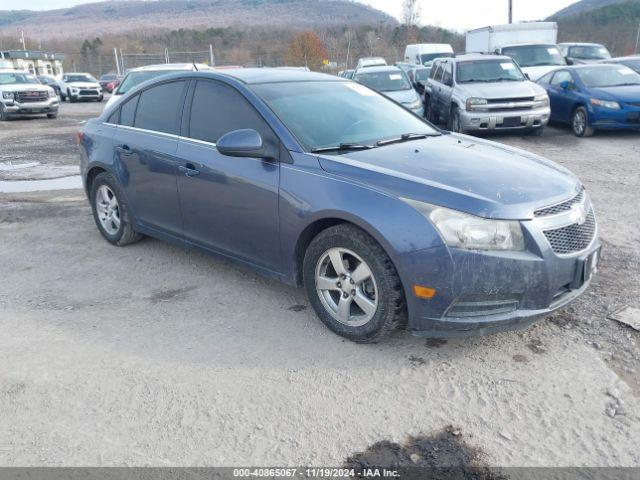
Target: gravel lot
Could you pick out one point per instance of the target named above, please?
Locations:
(153, 355)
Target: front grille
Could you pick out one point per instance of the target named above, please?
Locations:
(560, 207)
(88, 92)
(572, 238)
(31, 96)
(509, 100)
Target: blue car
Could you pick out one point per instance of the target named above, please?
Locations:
(322, 182)
(594, 97)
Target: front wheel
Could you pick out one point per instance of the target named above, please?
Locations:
(52, 115)
(580, 123)
(352, 284)
(110, 211)
(3, 114)
(455, 124)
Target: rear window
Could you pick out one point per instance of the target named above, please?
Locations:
(158, 107)
(389, 81)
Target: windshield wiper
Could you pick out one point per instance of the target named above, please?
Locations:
(405, 137)
(342, 146)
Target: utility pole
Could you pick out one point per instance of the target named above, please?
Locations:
(510, 11)
(22, 40)
(212, 58)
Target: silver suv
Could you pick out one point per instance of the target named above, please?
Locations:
(478, 92)
(22, 94)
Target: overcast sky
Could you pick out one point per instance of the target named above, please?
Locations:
(455, 14)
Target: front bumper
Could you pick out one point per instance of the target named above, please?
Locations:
(87, 94)
(505, 120)
(627, 118)
(32, 108)
(481, 292)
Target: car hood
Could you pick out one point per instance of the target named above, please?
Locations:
(403, 96)
(460, 172)
(24, 87)
(84, 84)
(535, 73)
(501, 89)
(629, 93)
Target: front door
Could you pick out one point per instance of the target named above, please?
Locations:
(229, 204)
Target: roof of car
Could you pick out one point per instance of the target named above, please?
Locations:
(616, 59)
(380, 68)
(478, 56)
(579, 44)
(169, 66)
(274, 75)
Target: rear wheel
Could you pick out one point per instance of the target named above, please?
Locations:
(352, 284)
(110, 211)
(580, 123)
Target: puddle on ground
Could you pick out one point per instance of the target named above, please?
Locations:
(442, 455)
(21, 186)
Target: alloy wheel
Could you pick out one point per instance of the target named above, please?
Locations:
(579, 122)
(346, 287)
(108, 210)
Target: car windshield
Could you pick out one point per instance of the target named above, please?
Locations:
(325, 114)
(488, 71)
(388, 81)
(535, 55)
(108, 78)
(80, 78)
(427, 58)
(133, 79)
(633, 64)
(589, 52)
(618, 75)
(17, 78)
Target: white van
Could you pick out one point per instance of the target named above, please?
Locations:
(425, 53)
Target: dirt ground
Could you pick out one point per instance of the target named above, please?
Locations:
(154, 355)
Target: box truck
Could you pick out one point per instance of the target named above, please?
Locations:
(533, 45)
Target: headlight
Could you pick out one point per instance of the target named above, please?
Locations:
(605, 104)
(74, 90)
(462, 230)
(7, 95)
(541, 100)
(474, 103)
(52, 93)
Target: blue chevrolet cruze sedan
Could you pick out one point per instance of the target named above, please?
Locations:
(321, 182)
(594, 97)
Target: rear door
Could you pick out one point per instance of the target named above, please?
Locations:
(229, 204)
(145, 145)
(435, 87)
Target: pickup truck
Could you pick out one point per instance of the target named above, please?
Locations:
(22, 94)
(80, 86)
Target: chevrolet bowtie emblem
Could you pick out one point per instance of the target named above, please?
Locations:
(579, 214)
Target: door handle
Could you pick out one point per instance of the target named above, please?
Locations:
(189, 170)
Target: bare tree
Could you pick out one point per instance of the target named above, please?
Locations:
(411, 12)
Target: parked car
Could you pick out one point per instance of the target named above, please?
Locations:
(484, 92)
(392, 82)
(532, 45)
(425, 53)
(346, 74)
(322, 182)
(22, 94)
(633, 62)
(108, 81)
(80, 86)
(577, 53)
(51, 82)
(136, 76)
(371, 62)
(594, 97)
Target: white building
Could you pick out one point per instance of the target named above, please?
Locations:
(36, 62)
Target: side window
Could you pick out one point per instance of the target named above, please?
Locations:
(128, 111)
(447, 74)
(218, 109)
(159, 106)
(114, 118)
(560, 77)
(438, 76)
(434, 68)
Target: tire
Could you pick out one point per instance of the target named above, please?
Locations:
(454, 124)
(100, 98)
(71, 99)
(429, 114)
(125, 233)
(382, 288)
(536, 132)
(4, 116)
(580, 123)
(52, 115)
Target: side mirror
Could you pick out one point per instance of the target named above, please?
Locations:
(565, 85)
(243, 143)
(569, 60)
(527, 76)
